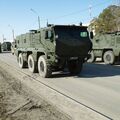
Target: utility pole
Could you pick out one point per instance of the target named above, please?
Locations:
(39, 21)
(37, 15)
(3, 38)
(13, 34)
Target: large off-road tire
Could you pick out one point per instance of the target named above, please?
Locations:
(44, 68)
(92, 57)
(109, 57)
(31, 64)
(21, 61)
(75, 66)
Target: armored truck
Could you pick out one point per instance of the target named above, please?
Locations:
(107, 47)
(53, 48)
(6, 46)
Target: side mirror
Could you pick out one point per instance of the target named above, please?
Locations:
(91, 35)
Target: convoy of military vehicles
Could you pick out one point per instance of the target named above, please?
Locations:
(57, 47)
(107, 47)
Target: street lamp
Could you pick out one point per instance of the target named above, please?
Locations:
(37, 15)
(3, 38)
(12, 32)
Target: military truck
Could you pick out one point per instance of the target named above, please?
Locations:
(53, 48)
(107, 47)
(6, 46)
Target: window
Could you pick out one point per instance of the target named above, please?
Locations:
(83, 34)
(48, 34)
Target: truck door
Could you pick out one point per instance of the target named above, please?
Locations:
(48, 40)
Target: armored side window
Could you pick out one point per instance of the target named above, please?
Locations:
(48, 34)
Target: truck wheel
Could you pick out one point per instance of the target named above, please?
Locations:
(75, 66)
(43, 67)
(31, 64)
(109, 57)
(92, 57)
(21, 62)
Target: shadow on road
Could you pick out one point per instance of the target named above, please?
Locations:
(99, 70)
(92, 70)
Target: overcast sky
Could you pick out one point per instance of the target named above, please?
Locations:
(16, 14)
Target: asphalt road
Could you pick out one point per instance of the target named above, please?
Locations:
(98, 86)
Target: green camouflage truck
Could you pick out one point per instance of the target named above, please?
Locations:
(53, 48)
(107, 47)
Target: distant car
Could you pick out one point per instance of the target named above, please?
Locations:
(6, 46)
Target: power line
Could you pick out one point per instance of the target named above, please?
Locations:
(77, 12)
(89, 9)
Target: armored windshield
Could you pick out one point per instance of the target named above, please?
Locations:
(71, 32)
(72, 40)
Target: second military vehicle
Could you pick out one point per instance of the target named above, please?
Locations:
(53, 48)
(107, 47)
